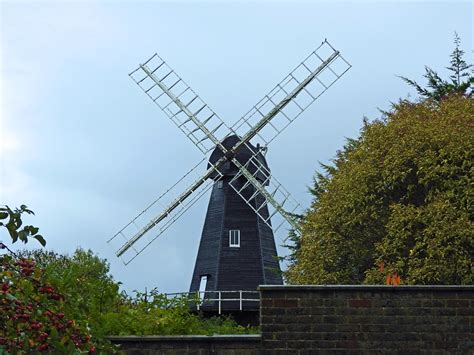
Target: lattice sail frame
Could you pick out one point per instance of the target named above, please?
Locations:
(206, 130)
(315, 75)
(150, 218)
(180, 103)
(287, 205)
(305, 84)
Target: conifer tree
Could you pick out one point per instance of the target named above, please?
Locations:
(461, 78)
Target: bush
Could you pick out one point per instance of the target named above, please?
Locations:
(33, 313)
(152, 313)
(70, 304)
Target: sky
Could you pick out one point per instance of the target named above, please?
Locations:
(84, 147)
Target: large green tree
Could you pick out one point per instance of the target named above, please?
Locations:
(460, 81)
(399, 199)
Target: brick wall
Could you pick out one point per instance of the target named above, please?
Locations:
(189, 344)
(344, 319)
(371, 319)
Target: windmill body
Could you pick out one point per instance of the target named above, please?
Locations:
(237, 249)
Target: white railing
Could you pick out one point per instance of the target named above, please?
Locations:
(200, 298)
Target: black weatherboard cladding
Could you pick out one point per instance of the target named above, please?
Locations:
(228, 268)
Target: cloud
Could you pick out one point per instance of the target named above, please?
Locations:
(40, 44)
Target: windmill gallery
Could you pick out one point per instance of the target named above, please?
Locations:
(237, 249)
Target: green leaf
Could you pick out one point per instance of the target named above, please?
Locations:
(3, 215)
(13, 234)
(11, 297)
(17, 220)
(54, 333)
(23, 236)
(40, 239)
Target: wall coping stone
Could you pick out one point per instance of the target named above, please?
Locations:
(187, 338)
(366, 288)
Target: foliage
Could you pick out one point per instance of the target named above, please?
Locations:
(84, 281)
(95, 302)
(32, 316)
(461, 79)
(11, 220)
(69, 304)
(397, 202)
(152, 313)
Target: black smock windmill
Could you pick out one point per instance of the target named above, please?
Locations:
(237, 249)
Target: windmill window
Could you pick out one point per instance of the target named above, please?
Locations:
(202, 286)
(234, 238)
(220, 183)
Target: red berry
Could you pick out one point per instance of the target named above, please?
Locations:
(43, 347)
(55, 297)
(36, 325)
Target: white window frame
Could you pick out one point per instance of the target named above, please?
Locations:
(220, 184)
(234, 233)
(202, 286)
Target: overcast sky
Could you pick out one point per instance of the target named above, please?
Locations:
(84, 148)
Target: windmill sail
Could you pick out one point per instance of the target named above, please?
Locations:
(270, 191)
(158, 216)
(293, 95)
(321, 69)
(272, 114)
(180, 103)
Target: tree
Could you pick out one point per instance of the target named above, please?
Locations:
(461, 78)
(70, 303)
(93, 300)
(396, 202)
(32, 312)
(84, 280)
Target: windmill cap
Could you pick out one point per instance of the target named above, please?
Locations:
(243, 155)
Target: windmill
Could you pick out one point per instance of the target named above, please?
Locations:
(237, 249)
